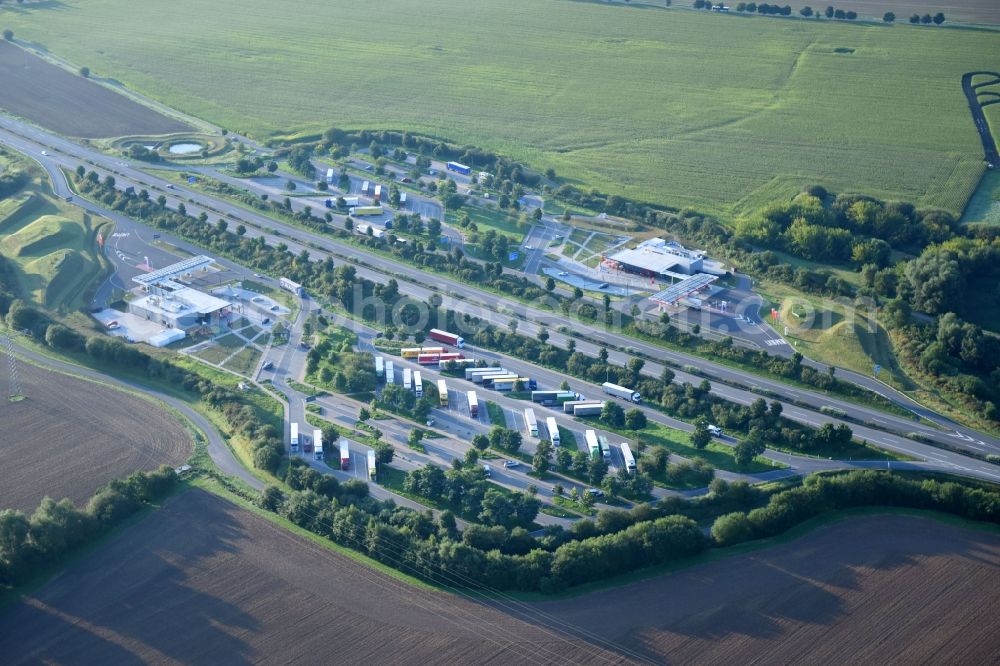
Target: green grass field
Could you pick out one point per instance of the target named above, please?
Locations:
(51, 246)
(716, 112)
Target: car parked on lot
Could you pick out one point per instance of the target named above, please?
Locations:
(112, 325)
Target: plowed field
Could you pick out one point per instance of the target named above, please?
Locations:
(70, 104)
(872, 590)
(203, 581)
(70, 436)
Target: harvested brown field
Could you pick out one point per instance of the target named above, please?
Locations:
(955, 11)
(888, 589)
(70, 104)
(204, 581)
(70, 436)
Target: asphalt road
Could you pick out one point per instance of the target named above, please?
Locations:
(470, 300)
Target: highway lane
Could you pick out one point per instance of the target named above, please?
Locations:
(469, 301)
(935, 459)
(883, 439)
(40, 139)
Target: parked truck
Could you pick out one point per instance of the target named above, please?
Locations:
(472, 372)
(593, 446)
(553, 428)
(446, 337)
(458, 168)
(330, 176)
(290, 285)
(418, 384)
(352, 202)
(508, 384)
(553, 397)
(583, 407)
(530, 422)
(371, 465)
(377, 197)
(345, 455)
(390, 373)
(360, 211)
(588, 409)
(488, 380)
(293, 437)
(605, 447)
(364, 187)
(473, 404)
(442, 393)
(407, 379)
(379, 367)
(628, 457)
(402, 199)
(621, 392)
(318, 444)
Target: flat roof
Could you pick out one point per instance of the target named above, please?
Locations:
(655, 259)
(182, 301)
(185, 266)
(676, 292)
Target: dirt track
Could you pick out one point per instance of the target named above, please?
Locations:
(873, 590)
(202, 581)
(70, 436)
(70, 104)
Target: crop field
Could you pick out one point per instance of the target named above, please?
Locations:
(875, 589)
(70, 436)
(203, 581)
(69, 104)
(717, 112)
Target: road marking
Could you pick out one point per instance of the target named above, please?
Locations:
(775, 343)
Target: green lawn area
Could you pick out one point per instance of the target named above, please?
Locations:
(567, 439)
(488, 218)
(51, 246)
(718, 455)
(244, 361)
(220, 349)
(839, 335)
(497, 417)
(716, 128)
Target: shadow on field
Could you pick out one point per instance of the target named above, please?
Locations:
(142, 597)
(817, 586)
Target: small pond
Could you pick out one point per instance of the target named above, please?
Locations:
(184, 148)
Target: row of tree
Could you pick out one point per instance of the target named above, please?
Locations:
(499, 558)
(822, 494)
(830, 12)
(55, 528)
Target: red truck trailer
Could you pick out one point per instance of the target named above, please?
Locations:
(446, 337)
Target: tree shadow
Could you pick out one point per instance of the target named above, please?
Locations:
(140, 598)
(766, 597)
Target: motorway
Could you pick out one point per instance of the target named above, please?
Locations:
(468, 299)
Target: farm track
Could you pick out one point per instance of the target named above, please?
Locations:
(978, 117)
(203, 581)
(70, 436)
